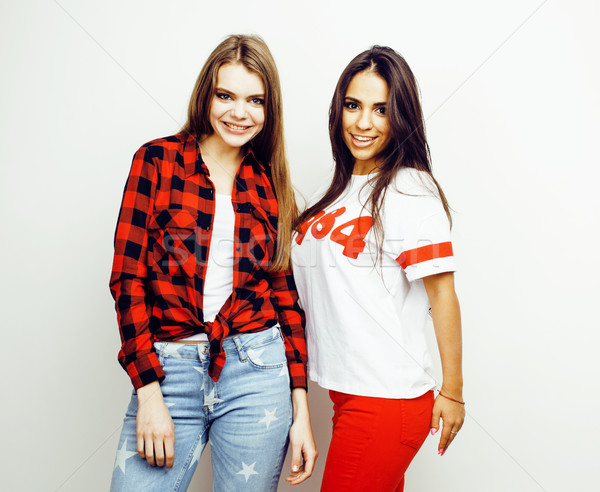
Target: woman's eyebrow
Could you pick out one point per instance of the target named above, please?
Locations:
(226, 91)
(357, 101)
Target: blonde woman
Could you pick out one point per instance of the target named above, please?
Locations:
(212, 335)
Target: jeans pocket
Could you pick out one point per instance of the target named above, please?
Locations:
(267, 354)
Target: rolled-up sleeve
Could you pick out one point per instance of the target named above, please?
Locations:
(291, 320)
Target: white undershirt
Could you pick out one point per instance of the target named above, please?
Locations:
(218, 281)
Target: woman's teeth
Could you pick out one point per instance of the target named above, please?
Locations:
(236, 127)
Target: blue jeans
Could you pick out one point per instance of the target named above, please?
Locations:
(245, 416)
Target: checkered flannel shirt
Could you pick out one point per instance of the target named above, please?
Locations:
(161, 248)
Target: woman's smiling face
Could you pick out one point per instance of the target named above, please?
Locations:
(364, 121)
(237, 111)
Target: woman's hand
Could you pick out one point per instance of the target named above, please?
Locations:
(304, 450)
(452, 415)
(155, 428)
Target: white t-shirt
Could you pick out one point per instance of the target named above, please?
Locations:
(218, 282)
(365, 321)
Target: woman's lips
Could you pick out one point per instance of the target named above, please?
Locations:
(237, 129)
(362, 141)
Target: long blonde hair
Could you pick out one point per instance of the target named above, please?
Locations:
(269, 145)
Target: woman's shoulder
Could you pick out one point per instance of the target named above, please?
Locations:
(413, 182)
(169, 142)
(166, 151)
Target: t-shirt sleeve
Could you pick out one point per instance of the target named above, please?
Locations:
(421, 232)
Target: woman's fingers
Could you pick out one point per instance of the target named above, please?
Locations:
(452, 416)
(170, 452)
(445, 439)
(309, 453)
(149, 450)
(296, 463)
(155, 429)
(164, 448)
(159, 451)
(449, 433)
(309, 461)
(310, 456)
(435, 420)
(140, 446)
(304, 455)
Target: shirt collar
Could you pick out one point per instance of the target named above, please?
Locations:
(250, 158)
(192, 161)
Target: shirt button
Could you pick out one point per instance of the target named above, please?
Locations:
(238, 249)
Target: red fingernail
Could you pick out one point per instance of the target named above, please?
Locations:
(433, 431)
(441, 452)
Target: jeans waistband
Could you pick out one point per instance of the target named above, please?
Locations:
(235, 344)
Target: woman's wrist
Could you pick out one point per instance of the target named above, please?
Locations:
(300, 404)
(453, 387)
(149, 392)
(452, 394)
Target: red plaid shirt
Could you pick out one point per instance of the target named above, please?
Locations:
(161, 248)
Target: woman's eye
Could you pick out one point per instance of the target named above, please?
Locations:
(380, 110)
(223, 96)
(257, 100)
(350, 105)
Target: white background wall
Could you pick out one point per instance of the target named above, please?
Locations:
(510, 90)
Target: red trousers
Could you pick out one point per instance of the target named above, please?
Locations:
(374, 440)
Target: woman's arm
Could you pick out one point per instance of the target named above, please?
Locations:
(446, 322)
(291, 320)
(304, 449)
(155, 436)
(128, 279)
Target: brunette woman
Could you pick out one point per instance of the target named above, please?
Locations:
(212, 335)
(371, 256)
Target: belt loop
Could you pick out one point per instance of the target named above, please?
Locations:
(159, 347)
(240, 348)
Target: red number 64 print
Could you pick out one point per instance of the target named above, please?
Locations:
(321, 224)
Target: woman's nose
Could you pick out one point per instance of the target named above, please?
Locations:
(239, 109)
(364, 120)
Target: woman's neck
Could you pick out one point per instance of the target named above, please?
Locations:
(216, 150)
(364, 167)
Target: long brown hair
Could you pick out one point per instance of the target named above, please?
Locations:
(268, 146)
(407, 146)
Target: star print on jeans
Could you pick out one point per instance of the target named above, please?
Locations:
(201, 371)
(255, 355)
(211, 400)
(122, 456)
(247, 470)
(269, 417)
